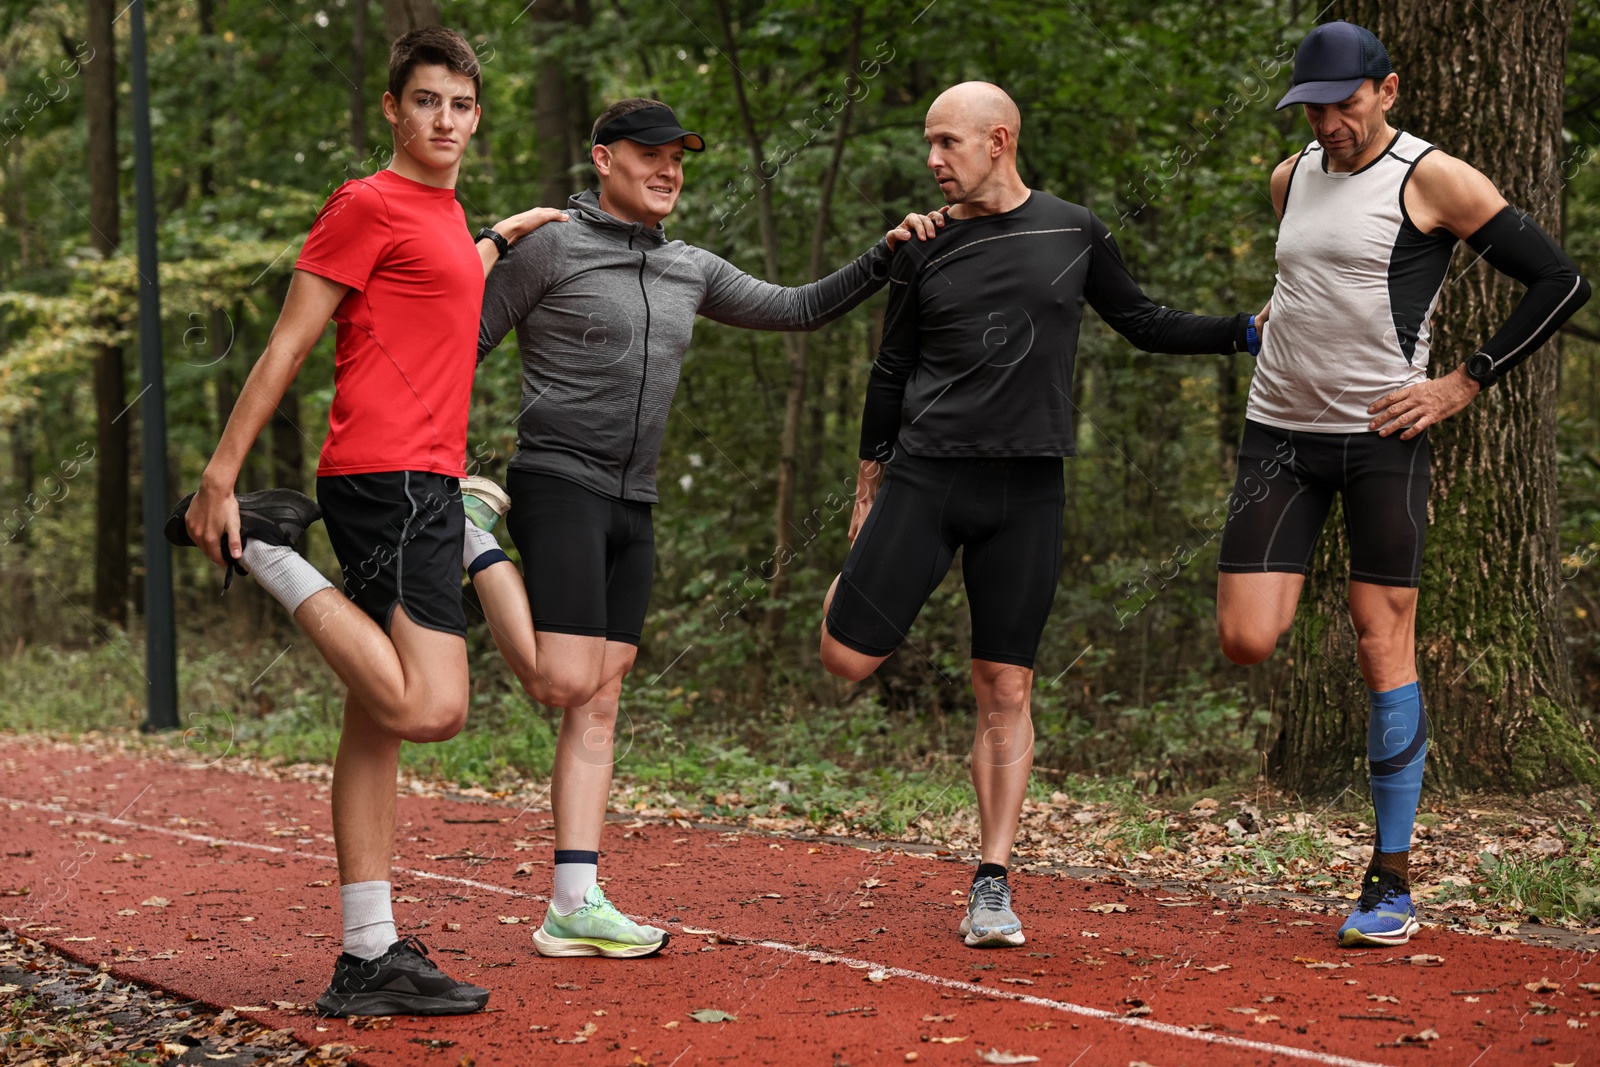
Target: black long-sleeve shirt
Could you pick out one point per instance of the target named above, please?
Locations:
(981, 332)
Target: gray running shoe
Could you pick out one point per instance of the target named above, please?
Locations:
(990, 922)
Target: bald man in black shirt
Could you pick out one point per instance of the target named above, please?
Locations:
(969, 409)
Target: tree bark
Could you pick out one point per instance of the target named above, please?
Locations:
(358, 80)
(1484, 84)
(552, 107)
(110, 380)
(400, 17)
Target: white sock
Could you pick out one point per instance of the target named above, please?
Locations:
(572, 883)
(477, 543)
(283, 572)
(368, 919)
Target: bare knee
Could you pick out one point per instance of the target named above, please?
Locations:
(560, 686)
(847, 663)
(1244, 645)
(441, 720)
(1002, 687)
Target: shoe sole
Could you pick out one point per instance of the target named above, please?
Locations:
(992, 940)
(550, 945)
(1357, 938)
(494, 499)
(389, 1003)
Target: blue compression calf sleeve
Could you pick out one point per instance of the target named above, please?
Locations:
(1397, 745)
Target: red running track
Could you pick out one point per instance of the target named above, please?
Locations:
(801, 930)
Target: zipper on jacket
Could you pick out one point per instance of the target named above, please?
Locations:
(644, 376)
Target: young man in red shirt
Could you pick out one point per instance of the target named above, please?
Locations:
(390, 260)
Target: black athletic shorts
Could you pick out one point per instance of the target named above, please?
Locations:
(1285, 486)
(397, 535)
(587, 559)
(1004, 513)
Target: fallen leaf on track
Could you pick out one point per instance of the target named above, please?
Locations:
(712, 1015)
(994, 1055)
(1107, 909)
(947, 1040)
(1383, 997)
(877, 975)
(580, 1037)
(154, 902)
(938, 1018)
(1218, 967)
(1018, 981)
(1543, 985)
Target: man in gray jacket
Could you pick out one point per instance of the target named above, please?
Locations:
(604, 307)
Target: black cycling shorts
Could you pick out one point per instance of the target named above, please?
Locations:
(1006, 516)
(587, 559)
(1285, 486)
(397, 535)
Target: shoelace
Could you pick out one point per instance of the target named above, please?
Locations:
(991, 894)
(415, 944)
(1378, 891)
(606, 910)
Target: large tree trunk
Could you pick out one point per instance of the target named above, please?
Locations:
(400, 17)
(1484, 84)
(110, 381)
(561, 110)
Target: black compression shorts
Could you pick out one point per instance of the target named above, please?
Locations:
(587, 559)
(397, 535)
(1005, 514)
(1285, 486)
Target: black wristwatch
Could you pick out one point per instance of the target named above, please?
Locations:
(500, 243)
(1480, 368)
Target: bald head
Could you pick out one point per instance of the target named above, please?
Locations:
(971, 132)
(977, 108)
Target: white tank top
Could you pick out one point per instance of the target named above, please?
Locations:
(1356, 286)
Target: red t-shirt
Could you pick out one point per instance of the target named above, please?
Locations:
(407, 342)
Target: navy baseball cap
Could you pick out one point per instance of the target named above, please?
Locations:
(649, 125)
(1333, 61)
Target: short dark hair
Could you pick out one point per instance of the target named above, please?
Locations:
(432, 46)
(621, 108)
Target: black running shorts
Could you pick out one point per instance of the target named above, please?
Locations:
(397, 535)
(587, 559)
(1006, 516)
(1285, 486)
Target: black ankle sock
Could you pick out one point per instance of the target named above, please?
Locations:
(989, 870)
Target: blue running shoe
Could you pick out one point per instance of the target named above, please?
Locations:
(1384, 915)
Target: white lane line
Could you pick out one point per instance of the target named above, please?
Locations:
(277, 850)
(1167, 1029)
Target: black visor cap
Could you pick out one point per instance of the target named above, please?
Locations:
(649, 125)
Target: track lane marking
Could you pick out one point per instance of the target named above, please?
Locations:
(1065, 1006)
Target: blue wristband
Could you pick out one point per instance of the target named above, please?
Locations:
(1252, 337)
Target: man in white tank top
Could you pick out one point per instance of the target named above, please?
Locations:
(1341, 402)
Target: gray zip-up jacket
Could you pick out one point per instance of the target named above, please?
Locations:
(604, 310)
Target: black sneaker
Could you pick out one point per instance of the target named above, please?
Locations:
(276, 516)
(402, 981)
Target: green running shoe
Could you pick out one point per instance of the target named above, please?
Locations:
(484, 501)
(596, 929)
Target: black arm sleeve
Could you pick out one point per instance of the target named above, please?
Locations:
(1113, 293)
(1514, 245)
(898, 354)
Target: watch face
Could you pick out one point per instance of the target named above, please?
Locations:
(1480, 365)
